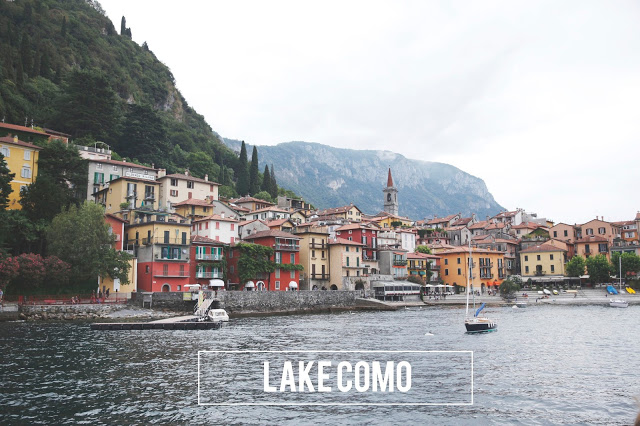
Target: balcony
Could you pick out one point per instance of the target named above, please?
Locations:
(286, 247)
(322, 246)
(486, 276)
(181, 274)
(486, 264)
(201, 274)
(319, 276)
(132, 195)
(150, 196)
(399, 263)
(175, 241)
(372, 259)
(540, 273)
(201, 256)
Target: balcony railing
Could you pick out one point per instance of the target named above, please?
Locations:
(486, 276)
(172, 274)
(372, 259)
(200, 274)
(540, 273)
(162, 240)
(322, 246)
(290, 247)
(200, 256)
(399, 263)
(486, 264)
(319, 276)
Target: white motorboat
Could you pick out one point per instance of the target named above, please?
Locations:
(218, 315)
(520, 305)
(618, 303)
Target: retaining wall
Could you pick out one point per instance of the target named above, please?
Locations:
(286, 301)
(67, 312)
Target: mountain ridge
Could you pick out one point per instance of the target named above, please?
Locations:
(328, 176)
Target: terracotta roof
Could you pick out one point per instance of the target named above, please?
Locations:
(479, 225)
(528, 225)
(277, 222)
(201, 239)
(272, 233)
(249, 200)
(270, 209)
(505, 214)
(466, 250)
(541, 248)
(216, 217)
(422, 256)
(498, 225)
(335, 210)
(464, 221)
(193, 202)
(625, 222)
(122, 163)
(592, 239)
(344, 242)
(22, 129)
(188, 177)
(112, 216)
(12, 141)
(437, 220)
(389, 179)
(246, 222)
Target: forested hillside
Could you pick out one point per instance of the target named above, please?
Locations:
(64, 66)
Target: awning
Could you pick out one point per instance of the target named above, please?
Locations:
(249, 284)
(193, 286)
(293, 284)
(428, 285)
(216, 283)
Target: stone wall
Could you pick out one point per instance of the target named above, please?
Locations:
(172, 300)
(286, 301)
(67, 312)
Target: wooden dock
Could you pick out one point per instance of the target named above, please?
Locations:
(188, 322)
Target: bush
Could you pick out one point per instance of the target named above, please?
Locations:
(415, 279)
(508, 289)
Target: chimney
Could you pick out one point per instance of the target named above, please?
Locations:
(162, 173)
(222, 215)
(15, 138)
(186, 172)
(206, 177)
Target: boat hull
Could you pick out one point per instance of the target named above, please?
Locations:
(485, 326)
(618, 304)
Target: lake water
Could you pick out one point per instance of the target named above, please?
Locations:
(545, 365)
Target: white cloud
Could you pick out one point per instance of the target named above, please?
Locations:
(537, 98)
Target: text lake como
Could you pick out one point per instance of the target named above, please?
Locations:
(545, 365)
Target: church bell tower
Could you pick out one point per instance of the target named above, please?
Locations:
(390, 196)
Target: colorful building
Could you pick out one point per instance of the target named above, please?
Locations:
(367, 234)
(206, 260)
(488, 268)
(593, 245)
(217, 228)
(393, 261)
(22, 160)
(425, 266)
(346, 262)
(178, 187)
(193, 209)
(350, 213)
(543, 260)
(314, 257)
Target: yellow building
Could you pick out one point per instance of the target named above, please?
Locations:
(542, 260)
(193, 209)
(314, 257)
(115, 286)
(488, 269)
(22, 160)
(135, 192)
(387, 220)
(350, 212)
(345, 261)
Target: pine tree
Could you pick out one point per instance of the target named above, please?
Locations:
(242, 185)
(254, 173)
(123, 26)
(266, 180)
(45, 66)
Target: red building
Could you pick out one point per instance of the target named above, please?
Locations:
(366, 234)
(206, 260)
(286, 252)
(117, 228)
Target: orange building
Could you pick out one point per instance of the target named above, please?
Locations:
(488, 268)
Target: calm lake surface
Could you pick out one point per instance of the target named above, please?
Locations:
(545, 365)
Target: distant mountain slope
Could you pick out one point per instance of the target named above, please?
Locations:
(331, 177)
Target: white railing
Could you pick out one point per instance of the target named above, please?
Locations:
(208, 274)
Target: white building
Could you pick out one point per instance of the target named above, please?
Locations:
(177, 187)
(217, 228)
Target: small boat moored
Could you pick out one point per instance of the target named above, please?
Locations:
(618, 303)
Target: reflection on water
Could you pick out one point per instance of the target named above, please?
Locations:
(546, 364)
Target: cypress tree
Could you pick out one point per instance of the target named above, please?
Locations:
(242, 184)
(266, 180)
(254, 173)
(274, 185)
(63, 28)
(5, 183)
(19, 73)
(25, 54)
(123, 26)
(45, 66)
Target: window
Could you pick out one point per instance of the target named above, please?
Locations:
(446, 261)
(555, 233)
(459, 261)
(293, 258)
(538, 257)
(190, 184)
(115, 168)
(550, 257)
(459, 271)
(27, 154)
(526, 269)
(98, 166)
(602, 248)
(278, 257)
(347, 261)
(446, 272)
(566, 233)
(98, 178)
(233, 226)
(5, 151)
(293, 274)
(173, 193)
(179, 287)
(347, 248)
(26, 172)
(113, 177)
(277, 285)
(165, 269)
(589, 231)
(526, 258)
(553, 268)
(601, 230)
(217, 225)
(147, 269)
(174, 182)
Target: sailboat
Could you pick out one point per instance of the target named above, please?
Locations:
(476, 324)
(619, 303)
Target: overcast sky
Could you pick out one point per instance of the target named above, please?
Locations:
(541, 99)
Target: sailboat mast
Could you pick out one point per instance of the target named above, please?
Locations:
(469, 274)
(620, 260)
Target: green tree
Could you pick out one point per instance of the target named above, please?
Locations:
(19, 234)
(63, 27)
(630, 264)
(423, 249)
(273, 188)
(254, 173)
(80, 237)
(242, 185)
(144, 136)
(88, 106)
(26, 54)
(266, 179)
(575, 267)
(263, 195)
(201, 164)
(599, 269)
(123, 26)
(254, 260)
(5, 183)
(508, 288)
